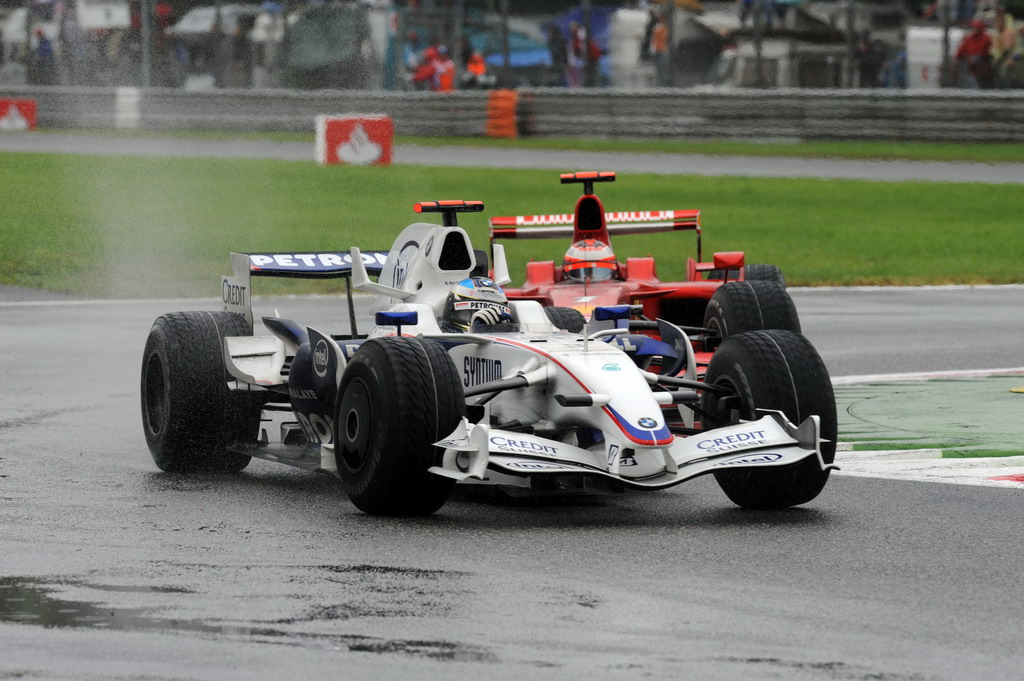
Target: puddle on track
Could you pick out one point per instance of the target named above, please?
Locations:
(32, 601)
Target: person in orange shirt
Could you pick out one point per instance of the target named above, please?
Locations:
(476, 72)
(476, 64)
(659, 50)
(444, 71)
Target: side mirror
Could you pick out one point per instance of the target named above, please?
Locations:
(729, 260)
(397, 319)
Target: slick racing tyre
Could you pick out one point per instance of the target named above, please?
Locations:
(739, 306)
(777, 370)
(398, 397)
(567, 318)
(189, 415)
(755, 272)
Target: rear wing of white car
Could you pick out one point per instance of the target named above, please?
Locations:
(236, 289)
(561, 225)
(420, 267)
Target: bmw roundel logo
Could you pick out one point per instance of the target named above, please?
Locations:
(647, 422)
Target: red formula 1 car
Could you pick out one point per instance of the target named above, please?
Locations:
(718, 298)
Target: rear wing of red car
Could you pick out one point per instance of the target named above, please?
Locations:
(632, 222)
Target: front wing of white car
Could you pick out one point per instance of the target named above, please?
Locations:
(472, 452)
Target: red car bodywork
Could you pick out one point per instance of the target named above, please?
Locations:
(680, 302)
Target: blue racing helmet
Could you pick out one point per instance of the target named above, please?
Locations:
(468, 297)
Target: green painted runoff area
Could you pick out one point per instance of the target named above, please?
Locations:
(961, 417)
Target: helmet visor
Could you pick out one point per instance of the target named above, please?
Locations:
(590, 271)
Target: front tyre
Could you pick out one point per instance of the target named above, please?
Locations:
(398, 397)
(189, 415)
(777, 370)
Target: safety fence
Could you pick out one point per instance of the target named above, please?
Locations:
(774, 114)
(944, 115)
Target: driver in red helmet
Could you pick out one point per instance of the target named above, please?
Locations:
(589, 260)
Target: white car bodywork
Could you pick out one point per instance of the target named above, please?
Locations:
(546, 402)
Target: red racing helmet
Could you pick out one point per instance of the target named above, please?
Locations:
(591, 260)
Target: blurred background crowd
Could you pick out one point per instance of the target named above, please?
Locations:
(445, 45)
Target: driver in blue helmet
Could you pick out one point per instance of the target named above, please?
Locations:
(476, 304)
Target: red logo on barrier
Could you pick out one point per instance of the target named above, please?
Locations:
(17, 114)
(354, 140)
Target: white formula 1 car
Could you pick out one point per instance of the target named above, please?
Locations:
(408, 411)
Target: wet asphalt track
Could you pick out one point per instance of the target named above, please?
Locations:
(672, 164)
(112, 570)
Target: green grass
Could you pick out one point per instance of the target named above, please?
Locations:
(980, 453)
(104, 226)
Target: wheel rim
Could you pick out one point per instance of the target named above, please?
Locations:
(156, 394)
(713, 337)
(722, 405)
(355, 420)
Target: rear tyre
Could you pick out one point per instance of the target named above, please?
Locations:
(739, 306)
(188, 414)
(567, 318)
(398, 397)
(778, 370)
(754, 272)
(764, 273)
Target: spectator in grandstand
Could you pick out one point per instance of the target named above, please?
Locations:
(1006, 49)
(645, 42)
(45, 62)
(895, 71)
(423, 76)
(869, 57)
(660, 51)
(241, 55)
(436, 72)
(476, 75)
(574, 69)
(1012, 71)
(974, 57)
(444, 71)
(559, 52)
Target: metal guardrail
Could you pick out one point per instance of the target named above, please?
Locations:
(771, 114)
(419, 113)
(945, 115)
